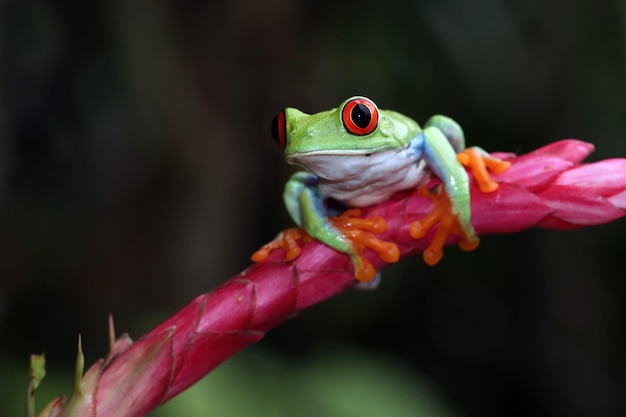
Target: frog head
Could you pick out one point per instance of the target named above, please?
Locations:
(356, 128)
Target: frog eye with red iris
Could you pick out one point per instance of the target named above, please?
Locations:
(279, 129)
(360, 116)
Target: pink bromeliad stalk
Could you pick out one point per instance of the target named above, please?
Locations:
(547, 188)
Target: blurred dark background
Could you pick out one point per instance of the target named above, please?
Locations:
(137, 171)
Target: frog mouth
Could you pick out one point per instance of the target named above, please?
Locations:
(303, 156)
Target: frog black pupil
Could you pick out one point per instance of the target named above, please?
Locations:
(361, 115)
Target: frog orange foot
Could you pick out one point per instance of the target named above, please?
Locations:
(359, 232)
(286, 240)
(478, 162)
(447, 224)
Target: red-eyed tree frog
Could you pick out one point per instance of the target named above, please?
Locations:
(357, 155)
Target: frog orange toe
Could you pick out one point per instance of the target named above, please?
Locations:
(286, 240)
(478, 162)
(447, 224)
(359, 232)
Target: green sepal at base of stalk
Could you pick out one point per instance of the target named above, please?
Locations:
(75, 400)
(37, 374)
(57, 407)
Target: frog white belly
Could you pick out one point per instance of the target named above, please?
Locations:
(360, 180)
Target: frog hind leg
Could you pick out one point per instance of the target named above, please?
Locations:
(450, 129)
(476, 159)
(452, 209)
(447, 225)
(440, 156)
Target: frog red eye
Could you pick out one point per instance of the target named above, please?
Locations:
(360, 116)
(279, 129)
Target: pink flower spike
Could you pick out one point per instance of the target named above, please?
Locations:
(546, 188)
(135, 383)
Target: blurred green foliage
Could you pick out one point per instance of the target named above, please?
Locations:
(334, 382)
(136, 172)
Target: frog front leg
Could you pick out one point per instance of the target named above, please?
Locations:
(345, 233)
(307, 210)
